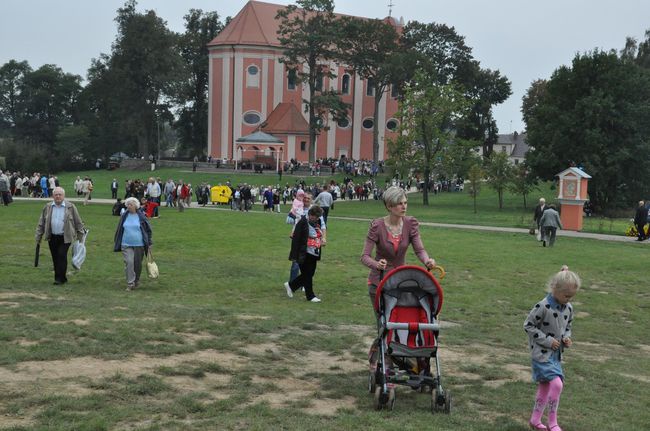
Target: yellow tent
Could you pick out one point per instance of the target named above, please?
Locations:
(220, 194)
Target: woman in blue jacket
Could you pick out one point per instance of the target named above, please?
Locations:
(133, 239)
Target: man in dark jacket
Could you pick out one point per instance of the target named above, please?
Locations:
(539, 211)
(640, 220)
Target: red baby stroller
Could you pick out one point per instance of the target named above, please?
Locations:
(408, 301)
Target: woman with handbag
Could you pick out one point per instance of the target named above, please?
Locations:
(133, 239)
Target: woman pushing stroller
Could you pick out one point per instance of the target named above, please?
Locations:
(406, 303)
(391, 237)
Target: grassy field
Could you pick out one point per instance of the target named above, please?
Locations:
(444, 208)
(214, 343)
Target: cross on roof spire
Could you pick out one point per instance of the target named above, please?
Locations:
(390, 7)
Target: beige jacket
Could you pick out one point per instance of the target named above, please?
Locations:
(73, 226)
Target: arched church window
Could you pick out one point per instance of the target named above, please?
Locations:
(253, 76)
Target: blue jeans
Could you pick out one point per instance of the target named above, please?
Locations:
(295, 270)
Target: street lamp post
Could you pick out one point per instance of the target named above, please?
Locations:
(158, 139)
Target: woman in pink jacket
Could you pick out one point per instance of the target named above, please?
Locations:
(391, 237)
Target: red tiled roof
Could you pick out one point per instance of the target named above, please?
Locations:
(255, 24)
(286, 119)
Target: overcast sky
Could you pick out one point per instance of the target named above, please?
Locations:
(524, 39)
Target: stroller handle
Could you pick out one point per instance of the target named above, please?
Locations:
(441, 271)
(438, 268)
(420, 326)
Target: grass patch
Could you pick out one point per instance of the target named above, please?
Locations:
(214, 343)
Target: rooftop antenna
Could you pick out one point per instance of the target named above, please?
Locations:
(390, 7)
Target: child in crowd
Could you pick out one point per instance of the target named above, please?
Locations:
(306, 246)
(297, 207)
(549, 331)
(118, 207)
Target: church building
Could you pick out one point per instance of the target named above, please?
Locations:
(256, 109)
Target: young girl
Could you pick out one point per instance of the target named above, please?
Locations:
(297, 207)
(549, 331)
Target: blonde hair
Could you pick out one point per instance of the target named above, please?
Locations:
(133, 201)
(564, 281)
(393, 195)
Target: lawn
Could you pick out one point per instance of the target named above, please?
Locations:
(214, 343)
(444, 208)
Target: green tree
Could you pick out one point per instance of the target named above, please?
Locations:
(73, 145)
(443, 53)
(457, 159)
(138, 80)
(428, 114)
(309, 34)
(475, 177)
(103, 112)
(532, 98)
(636, 52)
(46, 102)
(371, 48)
(594, 114)
(522, 181)
(498, 171)
(192, 92)
(12, 75)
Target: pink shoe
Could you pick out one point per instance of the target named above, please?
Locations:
(539, 427)
(555, 428)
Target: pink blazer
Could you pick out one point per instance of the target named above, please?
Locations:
(378, 238)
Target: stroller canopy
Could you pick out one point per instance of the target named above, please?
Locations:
(409, 284)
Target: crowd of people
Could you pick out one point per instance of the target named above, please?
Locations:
(39, 185)
(331, 166)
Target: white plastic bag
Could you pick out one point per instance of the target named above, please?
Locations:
(79, 251)
(152, 267)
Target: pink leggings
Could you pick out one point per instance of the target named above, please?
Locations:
(548, 393)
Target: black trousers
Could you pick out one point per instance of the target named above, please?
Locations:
(113, 193)
(548, 235)
(59, 251)
(306, 277)
(326, 212)
(640, 231)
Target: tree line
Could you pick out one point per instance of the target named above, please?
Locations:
(594, 114)
(153, 84)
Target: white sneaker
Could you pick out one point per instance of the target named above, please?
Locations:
(289, 291)
(315, 299)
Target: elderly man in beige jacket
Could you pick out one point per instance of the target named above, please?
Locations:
(61, 224)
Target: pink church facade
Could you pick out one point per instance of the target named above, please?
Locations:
(247, 83)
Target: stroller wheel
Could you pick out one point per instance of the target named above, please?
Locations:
(371, 382)
(440, 401)
(437, 401)
(391, 399)
(448, 402)
(381, 398)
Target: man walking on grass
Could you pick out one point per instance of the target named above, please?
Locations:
(61, 224)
